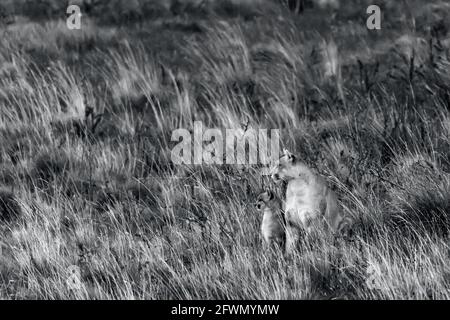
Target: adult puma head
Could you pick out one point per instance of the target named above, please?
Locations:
(289, 167)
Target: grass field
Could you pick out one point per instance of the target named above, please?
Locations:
(87, 185)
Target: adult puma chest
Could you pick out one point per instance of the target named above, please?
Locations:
(304, 202)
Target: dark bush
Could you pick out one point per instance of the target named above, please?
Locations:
(9, 208)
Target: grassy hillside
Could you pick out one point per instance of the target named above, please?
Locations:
(87, 184)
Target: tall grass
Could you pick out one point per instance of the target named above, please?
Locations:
(87, 181)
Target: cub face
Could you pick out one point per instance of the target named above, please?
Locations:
(282, 171)
(264, 199)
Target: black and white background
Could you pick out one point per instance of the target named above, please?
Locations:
(92, 205)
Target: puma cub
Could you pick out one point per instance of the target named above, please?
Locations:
(273, 224)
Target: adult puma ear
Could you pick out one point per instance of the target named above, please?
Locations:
(289, 156)
(270, 194)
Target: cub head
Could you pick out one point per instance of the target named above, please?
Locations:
(283, 170)
(264, 199)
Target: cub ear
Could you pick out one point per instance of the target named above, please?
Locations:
(270, 195)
